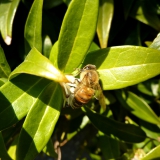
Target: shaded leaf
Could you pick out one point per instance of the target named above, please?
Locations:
(37, 64)
(40, 122)
(77, 31)
(48, 4)
(126, 132)
(49, 149)
(144, 11)
(104, 21)
(137, 106)
(33, 26)
(4, 66)
(124, 66)
(110, 145)
(3, 152)
(8, 9)
(20, 91)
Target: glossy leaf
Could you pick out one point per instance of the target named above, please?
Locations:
(138, 107)
(37, 64)
(33, 26)
(4, 66)
(20, 91)
(77, 31)
(124, 66)
(40, 122)
(154, 154)
(7, 12)
(3, 152)
(126, 132)
(156, 43)
(145, 12)
(104, 21)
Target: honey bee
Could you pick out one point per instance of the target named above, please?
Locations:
(86, 87)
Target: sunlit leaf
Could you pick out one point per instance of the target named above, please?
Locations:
(104, 21)
(156, 43)
(33, 26)
(8, 9)
(17, 96)
(40, 122)
(153, 154)
(127, 132)
(124, 66)
(77, 31)
(37, 64)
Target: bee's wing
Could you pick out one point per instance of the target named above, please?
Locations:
(99, 95)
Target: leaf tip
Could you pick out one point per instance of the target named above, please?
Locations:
(8, 40)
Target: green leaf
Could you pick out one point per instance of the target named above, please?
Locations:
(48, 4)
(110, 145)
(3, 152)
(47, 45)
(8, 9)
(53, 57)
(12, 148)
(20, 91)
(154, 154)
(126, 132)
(33, 26)
(49, 149)
(77, 31)
(124, 66)
(37, 64)
(146, 12)
(4, 66)
(156, 43)
(40, 122)
(104, 21)
(138, 107)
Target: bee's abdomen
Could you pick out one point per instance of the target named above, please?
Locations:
(82, 96)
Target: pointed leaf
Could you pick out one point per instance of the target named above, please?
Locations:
(3, 152)
(20, 91)
(104, 21)
(156, 43)
(37, 64)
(77, 31)
(146, 12)
(4, 66)
(124, 66)
(33, 26)
(8, 9)
(40, 123)
(126, 132)
(154, 154)
(138, 107)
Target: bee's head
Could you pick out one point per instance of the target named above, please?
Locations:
(89, 67)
